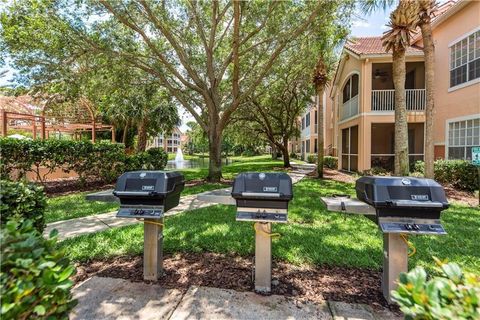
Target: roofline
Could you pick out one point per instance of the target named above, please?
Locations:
(460, 4)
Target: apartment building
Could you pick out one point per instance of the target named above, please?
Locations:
(359, 126)
(308, 124)
(169, 142)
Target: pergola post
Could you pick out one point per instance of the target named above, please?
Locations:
(4, 123)
(34, 127)
(113, 134)
(42, 123)
(93, 130)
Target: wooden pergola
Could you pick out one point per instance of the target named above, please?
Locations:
(73, 118)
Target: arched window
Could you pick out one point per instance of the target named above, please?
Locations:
(350, 89)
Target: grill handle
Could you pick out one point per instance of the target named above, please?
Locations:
(133, 193)
(412, 203)
(261, 195)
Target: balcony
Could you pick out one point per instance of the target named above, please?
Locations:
(349, 108)
(384, 100)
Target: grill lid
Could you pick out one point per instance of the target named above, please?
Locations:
(137, 184)
(401, 192)
(271, 186)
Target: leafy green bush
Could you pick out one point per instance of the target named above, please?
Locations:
(377, 171)
(152, 159)
(102, 160)
(158, 158)
(311, 158)
(24, 201)
(452, 295)
(330, 162)
(293, 155)
(34, 274)
(459, 173)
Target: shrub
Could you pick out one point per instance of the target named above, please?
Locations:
(158, 158)
(34, 275)
(377, 171)
(101, 160)
(152, 159)
(452, 295)
(293, 155)
(459, 173)
(330, 162)
(311, 158)
(22, 200)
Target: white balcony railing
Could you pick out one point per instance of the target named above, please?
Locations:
(384, 100)
(350, 108)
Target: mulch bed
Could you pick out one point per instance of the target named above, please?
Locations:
(66, 186)
(316, 284)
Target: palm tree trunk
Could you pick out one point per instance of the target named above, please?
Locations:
(125, 132)
(320, 138)
(429, 53)
(142, 135)
(401, 125)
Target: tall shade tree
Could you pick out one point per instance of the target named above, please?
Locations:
(210, 56)
(426, 10)
(403, 21)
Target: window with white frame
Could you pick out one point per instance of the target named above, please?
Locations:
(462, 136)
(307, 120)
(465, 60)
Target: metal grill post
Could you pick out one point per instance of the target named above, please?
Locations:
(395, 261)
(263, 259)
(152, 249)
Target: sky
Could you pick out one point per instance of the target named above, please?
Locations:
(363, 25)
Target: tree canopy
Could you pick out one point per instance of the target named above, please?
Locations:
(210, 55)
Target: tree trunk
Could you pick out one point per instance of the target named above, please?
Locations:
(429, 53)
(142, 136)
(320, 138)
(215, 163)
(401, 125)
(286, 155)
(274, 152)
(125, 133)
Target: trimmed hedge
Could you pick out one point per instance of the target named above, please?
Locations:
(100, 161)
(459, 173)
(22, 200)
(34, 274)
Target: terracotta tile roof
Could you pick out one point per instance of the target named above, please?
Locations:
(372, 45)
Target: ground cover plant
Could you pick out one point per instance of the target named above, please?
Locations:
(313, 235)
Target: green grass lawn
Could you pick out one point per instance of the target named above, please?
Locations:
(313, 236)
(74, 206)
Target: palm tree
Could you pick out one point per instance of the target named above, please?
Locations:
(403, 21)
(320, 80)
(425, 13)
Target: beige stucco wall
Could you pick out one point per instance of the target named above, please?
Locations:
(463, 101)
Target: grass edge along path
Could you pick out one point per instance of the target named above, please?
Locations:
(313, 235)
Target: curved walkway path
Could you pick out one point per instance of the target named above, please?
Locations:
(95, 223)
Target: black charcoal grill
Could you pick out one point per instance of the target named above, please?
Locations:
(148, 194)
(262, 197)
(404, 204)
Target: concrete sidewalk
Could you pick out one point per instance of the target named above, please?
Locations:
(95, 223)
(108, 298)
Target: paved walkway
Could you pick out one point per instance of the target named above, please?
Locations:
(95, 223)
(108, 298)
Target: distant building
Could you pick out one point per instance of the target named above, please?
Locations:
(170, 143)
